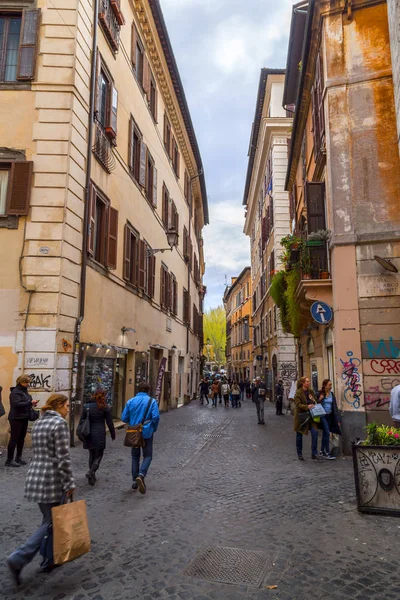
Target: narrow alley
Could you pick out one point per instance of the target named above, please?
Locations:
(218, 481)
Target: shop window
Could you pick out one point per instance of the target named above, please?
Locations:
(103, 232)
(15, 188)
(18, 45)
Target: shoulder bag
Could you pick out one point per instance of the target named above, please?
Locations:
(83, 429)
(134, 433)
(33, 414)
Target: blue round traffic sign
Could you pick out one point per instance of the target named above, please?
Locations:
(322, 313)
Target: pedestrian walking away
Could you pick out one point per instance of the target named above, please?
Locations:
(242, 386)
(248, 389)
(98, 413)
(279, 391)
(225, 392)
(219, 391)
(235, 390)
(2, 410)
(330, 423)
(49, 478)
(204, 390)
(394, 406)
(21, 405)
(215, 393)
(259, 394)
(142, 409)
(305, 400)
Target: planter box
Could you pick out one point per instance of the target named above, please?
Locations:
(377, 479)
(313, 243)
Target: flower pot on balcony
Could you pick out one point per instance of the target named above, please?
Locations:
(324, 275)
(306, 276)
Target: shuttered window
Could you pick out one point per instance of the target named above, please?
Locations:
(112, 238)
(167, 135)
(103, 230)
(315, 201)
(174, 218)
(186, 307)
(174, 307)
(28, 45)
(318, 109)
(142, 265)
(175, 157)
(165, 207)
(151, 275)
(15, 187)
(153, 101)
(106, 102)
(110, 20)
(131, 251)
(149, 188)
(135, 143)
(18, 45)
(186, 188)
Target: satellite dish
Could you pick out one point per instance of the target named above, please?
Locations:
(386, 264)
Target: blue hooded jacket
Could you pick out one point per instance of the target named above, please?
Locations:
(135, 410)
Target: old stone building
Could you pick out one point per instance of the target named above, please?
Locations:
(344, 181)
(102, 203)
(267, 222)
(237, 302)
(394, 32)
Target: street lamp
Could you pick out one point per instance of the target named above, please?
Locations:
(172, 239)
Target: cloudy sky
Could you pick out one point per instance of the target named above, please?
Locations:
(220, 47)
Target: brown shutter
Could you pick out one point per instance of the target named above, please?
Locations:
(154, 187)
(143, 161)
(92, 220)
(178, 161)
(162, 286)
(130, 145)
(142, 264)
(168, 285)
(186, 306)
(155, 103)
(133, 45)
(152, 276)
(111, 128)
(19, 188)
(315, 199)
(127, 253)
(146, 77)
(165, 213)
(28, 46)
(112, 238)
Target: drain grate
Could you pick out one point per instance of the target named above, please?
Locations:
(213, 436)
(229, 565)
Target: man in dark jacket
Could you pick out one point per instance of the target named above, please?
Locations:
(204, 388)
(259, 393)
(279, 391)
(21, 404)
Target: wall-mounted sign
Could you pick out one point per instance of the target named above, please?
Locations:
(322, 313)
(259, 357)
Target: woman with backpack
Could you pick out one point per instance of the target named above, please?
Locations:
(98, 413)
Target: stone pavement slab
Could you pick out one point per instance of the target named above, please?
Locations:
(218, 479)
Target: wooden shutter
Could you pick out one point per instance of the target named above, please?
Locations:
(142, 264)
(162, 286)
(146, 77)
(271, 212)
(111, 128)
(151, 276)
(127, 253)
(315, 201)
(168, 290)
(154, 187)
(264, 231)
(143, 161)
(97, 84)
(92, 220)
(134, 39)
(165, 207)
(185, 242)
(186, 306)
(28, 46)
(130, 146)
(112, 238)
(19, 188)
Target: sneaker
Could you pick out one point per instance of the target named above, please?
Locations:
(15, 573)
(316, 457)
(141, 484)
(329, 456)
(11, 463)
(21, 462)
(134, 486)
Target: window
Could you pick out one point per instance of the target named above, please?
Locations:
(187, 248)
(315, 202)
(18, 45)
(103, 232)
(131, 255)
(165, 288)
(165, 207)
(275, 318)
(111, 19)
(174, 307)
(135, 139)
(150, 170)
(175, 156)
(150, 273)
(186, 307)
(318, 109)
(15, 187)
(153, 98)
(106, 101)
(270, 322)
(186, 188)
(139, 264)
(167, 135)
(137, 54)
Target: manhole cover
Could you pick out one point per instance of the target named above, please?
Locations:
(229, 565)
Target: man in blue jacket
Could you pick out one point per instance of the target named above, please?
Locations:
(138, 409)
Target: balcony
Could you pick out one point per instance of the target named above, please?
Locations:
(110, 23)
(102, 149)
(315, 280)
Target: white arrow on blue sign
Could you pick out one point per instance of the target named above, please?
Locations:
(322, 313)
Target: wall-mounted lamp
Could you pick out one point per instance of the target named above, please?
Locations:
(172, 239)
(386, 264)
(127, 330)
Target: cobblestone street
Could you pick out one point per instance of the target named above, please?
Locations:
(217, 479)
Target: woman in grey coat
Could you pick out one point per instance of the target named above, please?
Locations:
(49, 477)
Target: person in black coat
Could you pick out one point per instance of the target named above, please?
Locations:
(21, 404)
(99, 415)
(279, 391)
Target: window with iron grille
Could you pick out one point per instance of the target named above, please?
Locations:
(111, 19)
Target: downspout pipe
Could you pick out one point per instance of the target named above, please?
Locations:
(77, 337)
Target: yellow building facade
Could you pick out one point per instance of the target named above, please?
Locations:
(100, 171)
(237, 302)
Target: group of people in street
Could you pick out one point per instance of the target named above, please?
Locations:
(217, 389)
(49, 481)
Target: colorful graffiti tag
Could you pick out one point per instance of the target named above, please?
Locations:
(352, 380)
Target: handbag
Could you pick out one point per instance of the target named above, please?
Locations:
(83, 429)
(33, 414)
(71, 537)
(134, 433)
(317, 411)
(303, 418)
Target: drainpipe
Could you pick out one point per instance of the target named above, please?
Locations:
(77, 337)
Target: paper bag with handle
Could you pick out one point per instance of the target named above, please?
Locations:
(71, 537)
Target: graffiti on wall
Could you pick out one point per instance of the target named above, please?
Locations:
(40, 381)
(374, 399)
(352, 380)
(385, 366)
(383, 349)
(288, 375)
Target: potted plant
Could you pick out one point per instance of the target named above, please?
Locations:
(290, 242)
(305, 263)
(324, 275)
(376, 464)
(319, 237)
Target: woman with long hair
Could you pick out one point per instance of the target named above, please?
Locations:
(99, 415)
(304, 400)
(49, 477)
(330, 423)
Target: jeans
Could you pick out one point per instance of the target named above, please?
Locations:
(325, 435)
(226, 400)
(142, 469)
(203, 396)
(279, 403)
(95, 457)
(235, 401)
(215, 399)
(314, 442)
(25, 553)
(260, 410)
(18, 432)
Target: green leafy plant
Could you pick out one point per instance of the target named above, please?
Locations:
(321, 235)
(381, 435)
(290, 240)
(292, 306)
(277, 291)
(305, 260)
